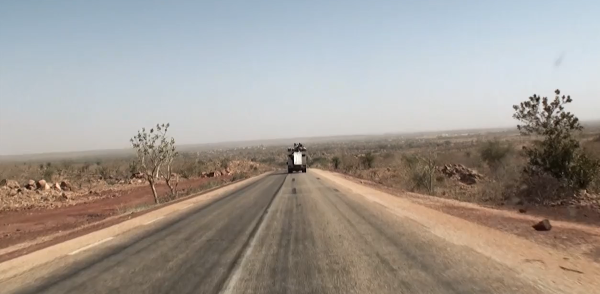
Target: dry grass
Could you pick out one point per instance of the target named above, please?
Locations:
(389, 160)
(89, 172)
(99, 174)
(396, 165)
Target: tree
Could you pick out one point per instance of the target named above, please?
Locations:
(172, 179)
(153, 150)
(558, 154)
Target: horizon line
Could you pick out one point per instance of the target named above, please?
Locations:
(253, 140)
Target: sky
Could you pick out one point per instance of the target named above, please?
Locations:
(86, 75)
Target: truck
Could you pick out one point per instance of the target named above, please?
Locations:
(296, 160)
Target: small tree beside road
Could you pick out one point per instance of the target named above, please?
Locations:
(558, 154)
(154, 150)
(172, 179)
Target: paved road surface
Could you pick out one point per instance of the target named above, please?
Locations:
(282, 234)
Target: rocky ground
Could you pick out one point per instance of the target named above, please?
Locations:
(461, 173)
(39, 194)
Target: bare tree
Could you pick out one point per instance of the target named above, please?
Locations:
(153, 150)
(171, 178)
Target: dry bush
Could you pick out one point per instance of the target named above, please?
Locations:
(498, 156)
(421, 172)
(96, 172)
(336, 161)
(318, 162)
(592, 148)
(541, 189)
(349, 163)
(501, 183)
(493, 153)
(367, 160)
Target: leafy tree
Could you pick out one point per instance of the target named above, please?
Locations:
(559, 153)
(153, 149)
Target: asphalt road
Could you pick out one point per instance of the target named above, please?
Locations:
(282, 234)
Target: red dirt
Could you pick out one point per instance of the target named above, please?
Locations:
(21, 226)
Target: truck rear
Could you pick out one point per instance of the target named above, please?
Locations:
(297, 159)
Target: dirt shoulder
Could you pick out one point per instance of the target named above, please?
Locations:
(569, 268)
(575, 230)
(25, 230)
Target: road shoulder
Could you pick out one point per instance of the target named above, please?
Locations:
(550, 268)
(23, 263)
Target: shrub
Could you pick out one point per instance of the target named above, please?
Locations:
(318, 161)
(225, 163)
(411, 161)
(336, 162)
(48, 174)
(104, 172)
(239, 176)
(540, 188)
(558, 154)
(421, 172)
(349, 163)
(494, 152)
(367, 160)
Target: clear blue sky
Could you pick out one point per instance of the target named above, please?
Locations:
(78, 75)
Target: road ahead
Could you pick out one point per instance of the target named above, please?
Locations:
(281, 234)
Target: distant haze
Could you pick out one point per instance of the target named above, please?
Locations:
(86, 75)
